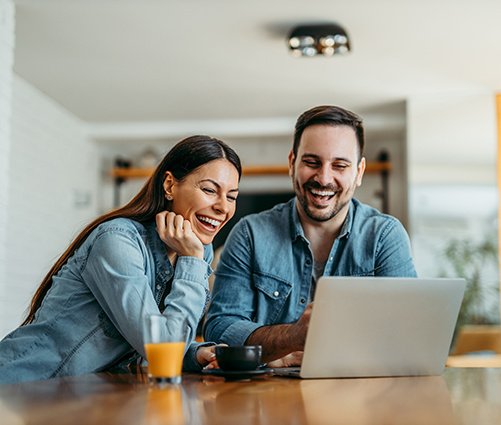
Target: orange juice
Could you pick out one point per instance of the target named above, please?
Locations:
(165, 359)
(165, 406)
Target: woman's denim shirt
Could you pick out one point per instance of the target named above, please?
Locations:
(264, 273)
(90, 319)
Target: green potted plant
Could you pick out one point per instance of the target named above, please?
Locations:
(470, 260)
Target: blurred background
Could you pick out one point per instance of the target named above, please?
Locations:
(87, 86)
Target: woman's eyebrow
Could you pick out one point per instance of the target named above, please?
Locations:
(215, 183)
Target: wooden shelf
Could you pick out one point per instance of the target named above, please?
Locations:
(383, 168)
(247, 170)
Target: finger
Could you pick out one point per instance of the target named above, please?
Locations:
(160, 220)
(169, 218)
(212, 364)
(209, 357)
(170, 223)
(187, 227)
(179, 225)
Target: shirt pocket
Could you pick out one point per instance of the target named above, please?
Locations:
(108, 329)
(272, 294)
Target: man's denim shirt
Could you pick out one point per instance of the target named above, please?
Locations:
(90, 319)
(264, 273)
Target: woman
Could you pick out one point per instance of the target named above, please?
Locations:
(151, 255)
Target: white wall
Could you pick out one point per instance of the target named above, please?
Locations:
(7, 42)
(53, 174)
(452, 139)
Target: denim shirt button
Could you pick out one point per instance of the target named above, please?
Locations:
(308, 262)
(303, 300)
(276, 293)
(159, 287)
(331, 258)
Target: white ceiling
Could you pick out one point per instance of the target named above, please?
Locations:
(112, 61)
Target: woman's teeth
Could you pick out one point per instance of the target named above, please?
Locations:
(210, 221)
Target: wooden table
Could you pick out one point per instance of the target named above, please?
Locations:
(460, 396)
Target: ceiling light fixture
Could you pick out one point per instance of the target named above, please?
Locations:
(318, 39)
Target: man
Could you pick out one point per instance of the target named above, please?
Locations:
(267, 273)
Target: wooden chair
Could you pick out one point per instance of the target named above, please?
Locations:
(477, 339)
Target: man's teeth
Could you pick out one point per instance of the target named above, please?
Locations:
(210, 221)
(322, 192)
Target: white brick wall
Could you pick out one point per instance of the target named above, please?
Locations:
(7, 41)
(53, 165)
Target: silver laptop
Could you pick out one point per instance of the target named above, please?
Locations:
(379, 326)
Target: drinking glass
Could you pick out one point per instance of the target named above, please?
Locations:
(164, 343)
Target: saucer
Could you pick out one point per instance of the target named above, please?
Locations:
(234, 375)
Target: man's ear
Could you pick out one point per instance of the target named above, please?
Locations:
(360, 171)
(292, 158)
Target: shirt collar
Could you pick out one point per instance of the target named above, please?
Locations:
(295, 223)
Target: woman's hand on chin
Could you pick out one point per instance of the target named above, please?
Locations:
(177, 234)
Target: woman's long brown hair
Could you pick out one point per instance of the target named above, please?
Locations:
(182, 159)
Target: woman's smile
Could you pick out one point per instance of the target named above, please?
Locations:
(206, 197)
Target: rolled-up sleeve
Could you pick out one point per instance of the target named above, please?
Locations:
(116, 274)
(190, 291)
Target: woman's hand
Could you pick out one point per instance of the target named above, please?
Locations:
(177, 234)
(206, 356)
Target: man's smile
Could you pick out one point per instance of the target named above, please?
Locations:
(321, 196)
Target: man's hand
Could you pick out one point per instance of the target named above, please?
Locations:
(280, 340)
(292, 359)
(300, 328)
(177, 234)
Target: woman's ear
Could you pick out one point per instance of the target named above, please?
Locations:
(168, 184)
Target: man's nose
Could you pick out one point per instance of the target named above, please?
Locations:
(324, 176)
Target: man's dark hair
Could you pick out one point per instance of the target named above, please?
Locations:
(329, 115)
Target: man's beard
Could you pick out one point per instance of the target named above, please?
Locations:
(318, 213)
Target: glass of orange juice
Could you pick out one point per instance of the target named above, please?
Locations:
(164, 343)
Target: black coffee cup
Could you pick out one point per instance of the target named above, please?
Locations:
(238, 357)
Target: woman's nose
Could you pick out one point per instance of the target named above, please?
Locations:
(222, 205)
